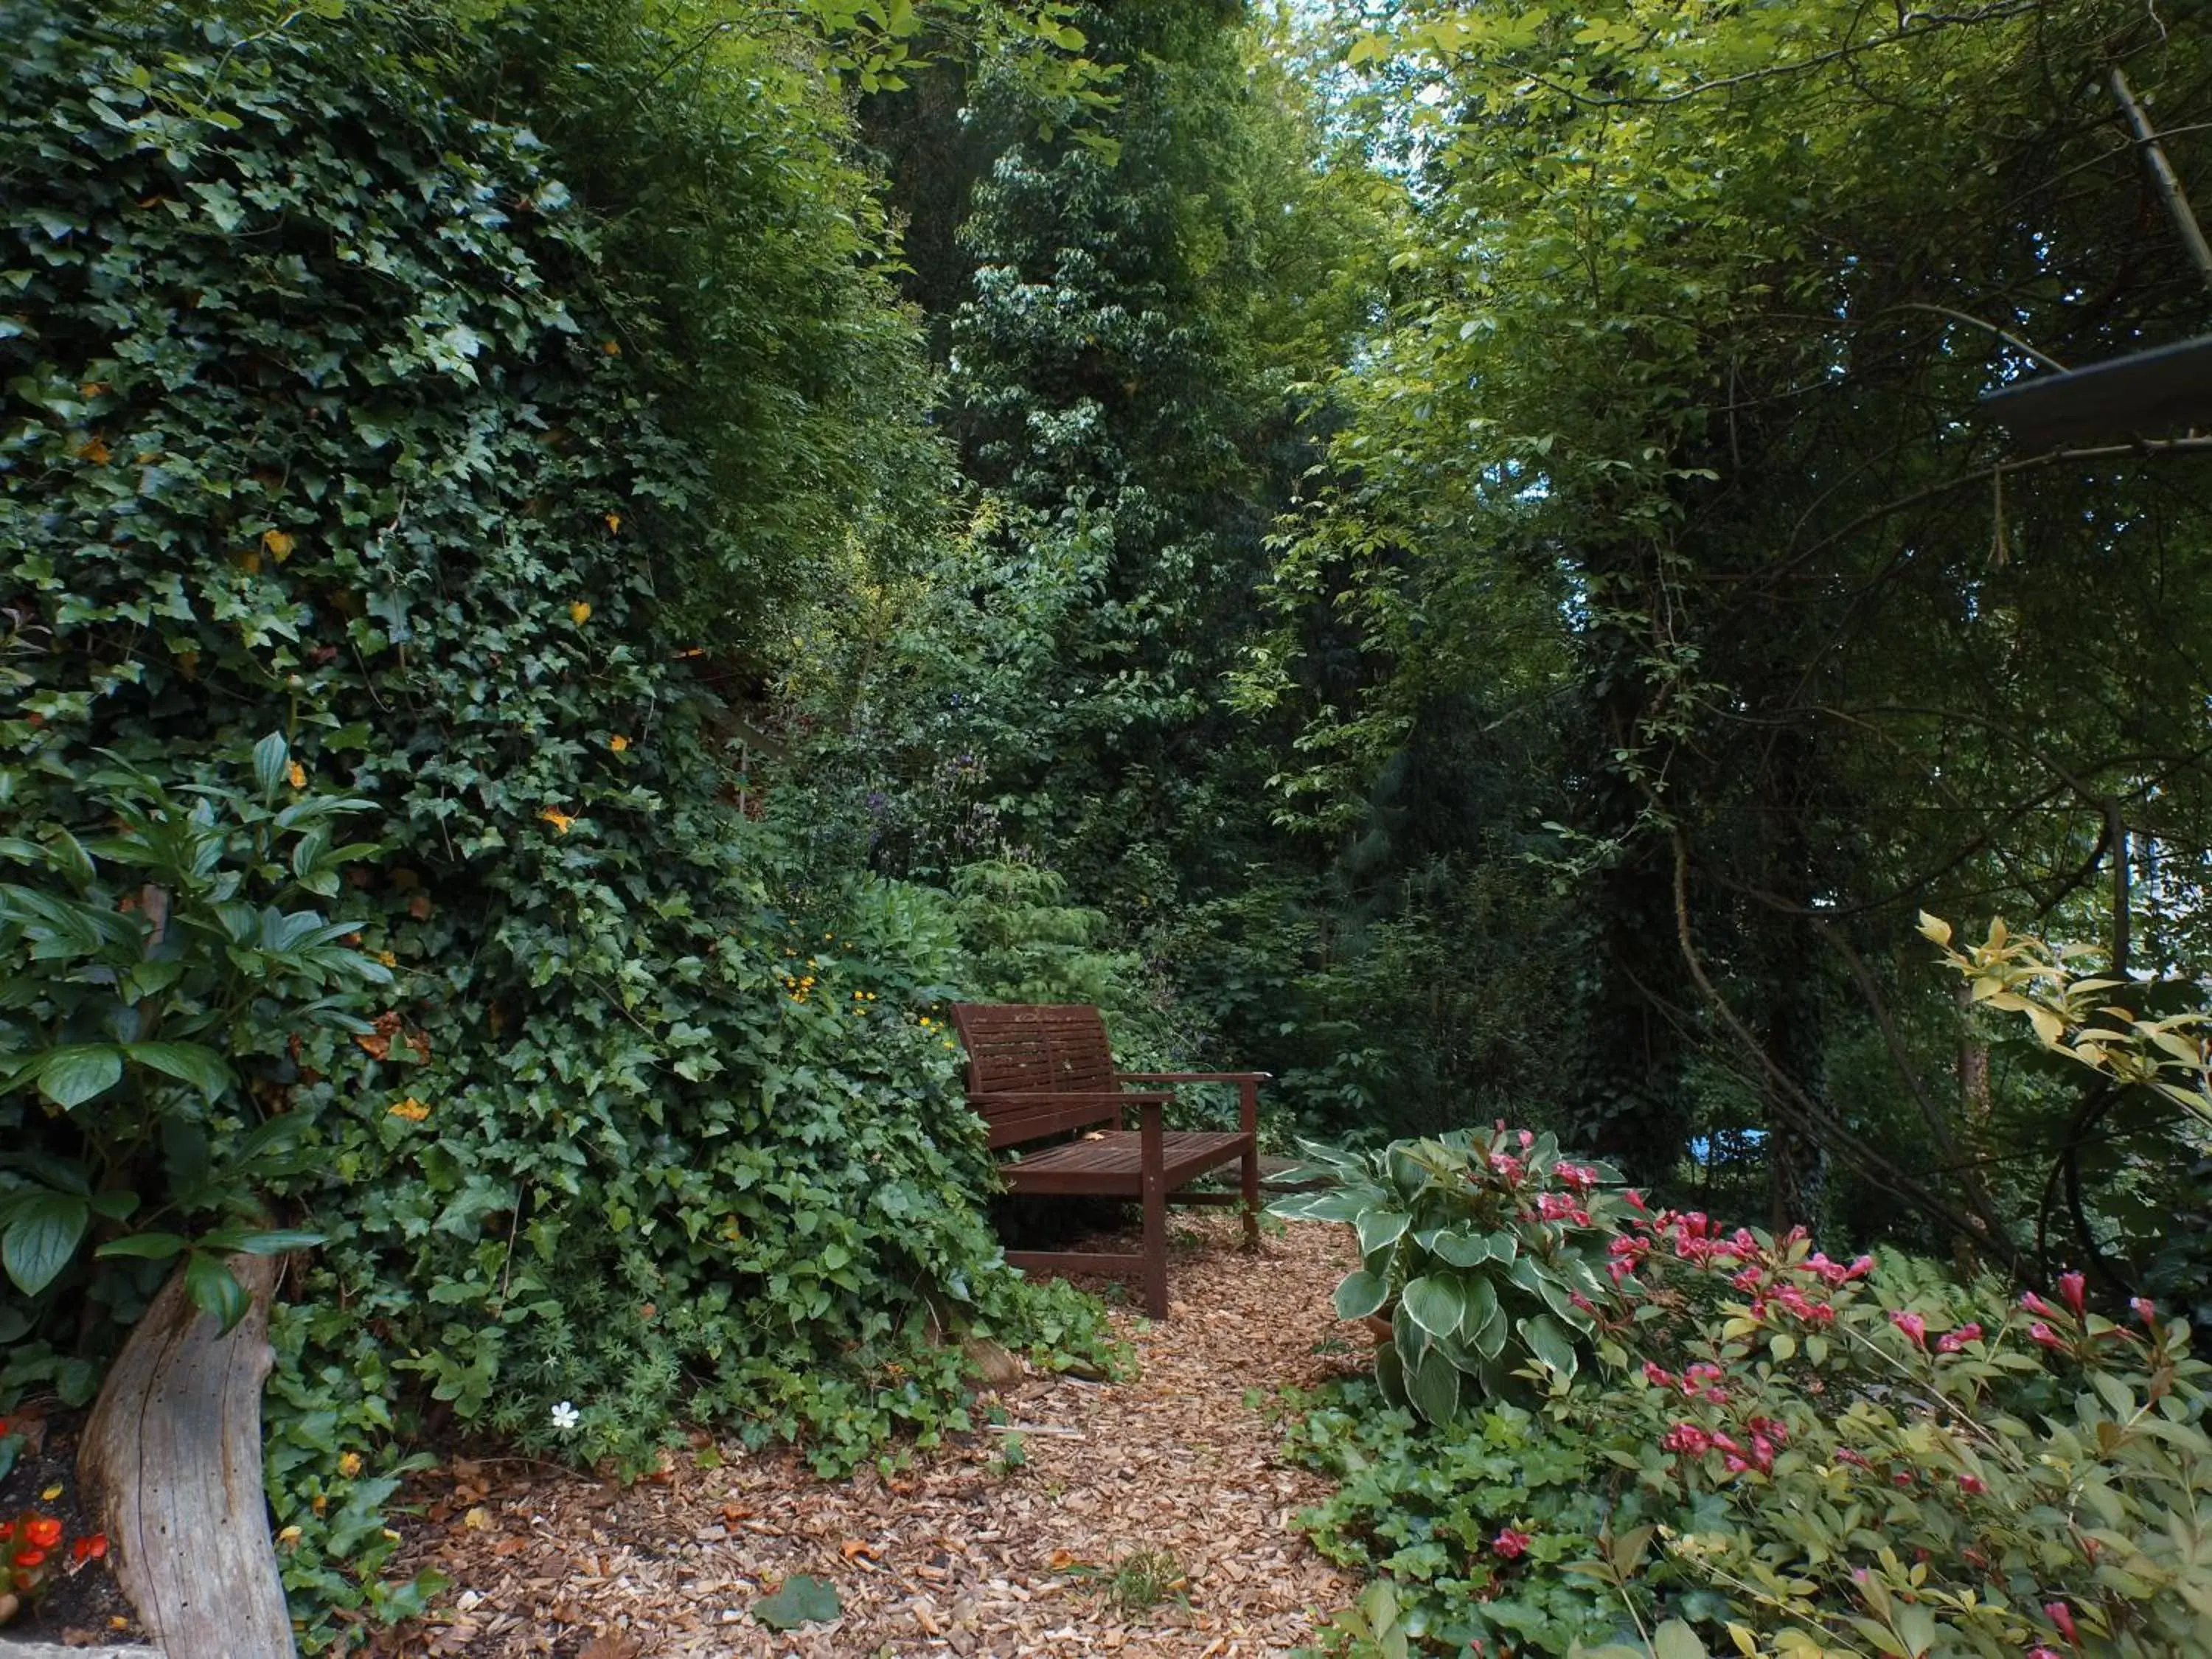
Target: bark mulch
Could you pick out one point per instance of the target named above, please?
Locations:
(1148, 1517)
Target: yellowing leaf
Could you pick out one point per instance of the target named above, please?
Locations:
(1936, 928)
(277, 545)
(614, 523)
(296, 774)
(580, 613)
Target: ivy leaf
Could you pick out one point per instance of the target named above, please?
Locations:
(41, 1237)
(804, 1599)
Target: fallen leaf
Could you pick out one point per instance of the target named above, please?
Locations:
(854, 1547)
(804, 1599)
(476, 1519)
(611, 1643)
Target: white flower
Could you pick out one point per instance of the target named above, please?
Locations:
(565, 1417)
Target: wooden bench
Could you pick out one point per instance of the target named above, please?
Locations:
(1036, 1070)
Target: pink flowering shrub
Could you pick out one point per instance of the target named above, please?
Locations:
(1484, 1250)
(1789, 1455)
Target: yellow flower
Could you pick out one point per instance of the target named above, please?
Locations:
(297, 774)
(350, 1465)
(580, 613)
(412, 1109)
(387, 959)
(277, 545)
(614, 523)
(618, 743)
(559, 819)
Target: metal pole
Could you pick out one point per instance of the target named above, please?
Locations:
(2162, 173)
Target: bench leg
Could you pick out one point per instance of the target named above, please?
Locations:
(1252, 1199)
(1156, 1244)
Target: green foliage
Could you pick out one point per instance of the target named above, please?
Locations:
(1481, 1267)
(477, 457)
(1789, 1455)
(149, 966)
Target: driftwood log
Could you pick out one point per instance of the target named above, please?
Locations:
(171, 1462)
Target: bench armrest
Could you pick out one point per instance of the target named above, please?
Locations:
(1248, 1090)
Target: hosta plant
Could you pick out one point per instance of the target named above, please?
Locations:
(1483, 1250)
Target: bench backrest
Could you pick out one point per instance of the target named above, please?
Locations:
(1033, 1049)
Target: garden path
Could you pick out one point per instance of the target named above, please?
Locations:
(961, 1554)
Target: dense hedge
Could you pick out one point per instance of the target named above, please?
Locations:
(475, 457)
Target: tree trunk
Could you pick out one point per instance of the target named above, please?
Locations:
(171, 1462)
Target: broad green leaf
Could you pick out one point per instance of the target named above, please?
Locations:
(1551, 1344)
(187, 1062)
(143, 1247)
(1359, 1294)
(1433, 1386)
(270, 756)
(70, 1076)
(1379, 1228)
(1461, 1249)
(42, 1236)
(1676, 1640)
(1435, 1304)
(215, 1289)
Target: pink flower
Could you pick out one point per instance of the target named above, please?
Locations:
(1858, 1460)
(2062, 1615)
(1506, 1164)
(1972, 1483)
(1554, 1207)
(1510, 1544)
(2035, 1304)
(2146, 1310)
(1860, 1268)
(1633, 1199)
(2040, 1331)
(1657, 1375)
(2070, 1287)
(1952, 1341)
(1527, 1138)
(2041, 1652)
(1913, 1326)
(1902, 1478)
(1687, 1437)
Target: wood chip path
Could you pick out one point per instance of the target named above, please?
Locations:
(957, 1555)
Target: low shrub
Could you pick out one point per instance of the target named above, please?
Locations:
(1789, 1455)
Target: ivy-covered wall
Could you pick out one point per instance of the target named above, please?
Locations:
(464, 404)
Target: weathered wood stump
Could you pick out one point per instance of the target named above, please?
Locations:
(171, 1462)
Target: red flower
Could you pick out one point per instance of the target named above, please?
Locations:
(1972, 1483)
(91, 1547)
(30, 1558)
(1687, 1437)
(1510, 1544)
(2063, 1616)
(45, 1532)
(2070, 1287)
(1913, 1326)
